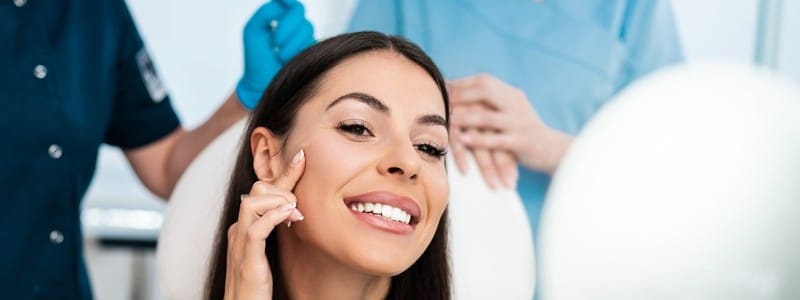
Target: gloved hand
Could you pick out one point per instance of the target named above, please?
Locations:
(272, 36)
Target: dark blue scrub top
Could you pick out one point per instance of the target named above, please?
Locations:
(73, 75)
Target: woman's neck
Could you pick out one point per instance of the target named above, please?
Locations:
(311, 274)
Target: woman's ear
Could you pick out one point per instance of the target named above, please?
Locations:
(264, 146)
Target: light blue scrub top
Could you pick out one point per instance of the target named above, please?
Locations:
(568, 56)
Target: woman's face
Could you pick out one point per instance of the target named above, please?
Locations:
(375, 184)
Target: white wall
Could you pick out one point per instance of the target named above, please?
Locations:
(724, 29)
(717, 29)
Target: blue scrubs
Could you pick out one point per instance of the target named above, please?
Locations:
(73, 75)
(568, 56)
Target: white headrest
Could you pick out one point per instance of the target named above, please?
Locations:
(686, 186)
(491, 245)
(192, 216)
(490, 241)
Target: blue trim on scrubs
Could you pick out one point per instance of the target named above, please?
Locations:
(69, 81)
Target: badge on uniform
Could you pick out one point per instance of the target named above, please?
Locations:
(154, 86)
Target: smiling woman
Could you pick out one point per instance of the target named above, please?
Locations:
(347, 148)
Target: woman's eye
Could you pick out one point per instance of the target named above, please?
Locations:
(355, 129)
(431, 150)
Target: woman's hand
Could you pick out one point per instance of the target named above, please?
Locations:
(248, 274)
(491, 115)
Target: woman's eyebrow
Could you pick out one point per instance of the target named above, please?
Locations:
(379, 106)
(432, 120)
(364, 98)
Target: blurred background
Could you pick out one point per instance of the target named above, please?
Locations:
(197, 49)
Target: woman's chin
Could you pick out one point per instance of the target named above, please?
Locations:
(382, 265)
(383, 270)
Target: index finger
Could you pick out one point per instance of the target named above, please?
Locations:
(289, 178)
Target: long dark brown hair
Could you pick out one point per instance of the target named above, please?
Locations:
(429, 276)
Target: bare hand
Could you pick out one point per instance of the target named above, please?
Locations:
(248, 274)
(495, 116)
(498, 167)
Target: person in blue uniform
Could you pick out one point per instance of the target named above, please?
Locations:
(75, 75)
(527, 75)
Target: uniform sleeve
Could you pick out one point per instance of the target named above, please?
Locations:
(376, 15)
(142, 111)
(650, 36)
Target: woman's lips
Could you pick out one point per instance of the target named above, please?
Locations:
(386, 211)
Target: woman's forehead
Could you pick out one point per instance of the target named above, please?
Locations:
(385, 75)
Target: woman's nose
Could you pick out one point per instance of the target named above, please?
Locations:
(401, 162)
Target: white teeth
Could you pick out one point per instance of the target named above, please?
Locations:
(388, 212)
(397, 214)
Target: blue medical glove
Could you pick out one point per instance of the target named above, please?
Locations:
(272, 36)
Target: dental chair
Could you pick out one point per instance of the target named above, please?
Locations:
(491, 253)
(686, 186)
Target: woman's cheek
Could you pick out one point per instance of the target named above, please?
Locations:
(330, 163)
(335, 156)
(438, 192)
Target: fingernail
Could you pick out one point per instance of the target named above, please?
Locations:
(288, 206)
(242, 196)
(298, 157)
(299, 216)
